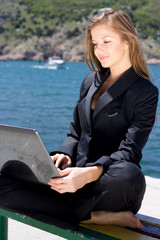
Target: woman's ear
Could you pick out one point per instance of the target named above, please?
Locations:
(126, 45)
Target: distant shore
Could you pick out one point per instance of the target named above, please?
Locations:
(10, 57)
(70, 49)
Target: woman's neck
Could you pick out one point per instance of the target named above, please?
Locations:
(115, 73)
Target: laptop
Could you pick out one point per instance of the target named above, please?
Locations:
(24, 156)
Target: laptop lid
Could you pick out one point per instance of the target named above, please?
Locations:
(23, 155)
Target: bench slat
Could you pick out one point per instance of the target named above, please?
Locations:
(149, 220)
(150, 230)
(3, 228)
(121, 233)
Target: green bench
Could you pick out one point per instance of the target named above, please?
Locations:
(82, 232)
(150, 231)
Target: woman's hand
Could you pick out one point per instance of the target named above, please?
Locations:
(61, 161)
(75, 178)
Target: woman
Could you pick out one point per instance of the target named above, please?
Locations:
(112, 122)
(101, 179)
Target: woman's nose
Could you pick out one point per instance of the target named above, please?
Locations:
(100, 47)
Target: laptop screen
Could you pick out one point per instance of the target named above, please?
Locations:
(24, 155)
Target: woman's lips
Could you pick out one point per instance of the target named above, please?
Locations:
(102, 58)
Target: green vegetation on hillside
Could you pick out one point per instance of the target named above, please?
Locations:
(36, 29)
(25, 18)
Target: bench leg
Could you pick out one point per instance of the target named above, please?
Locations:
(3, 228)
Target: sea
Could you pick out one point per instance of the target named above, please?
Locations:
(33, 96)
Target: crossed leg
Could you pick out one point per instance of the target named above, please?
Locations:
(121, 192)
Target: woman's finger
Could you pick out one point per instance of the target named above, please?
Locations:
(54, 157)
(59, 161)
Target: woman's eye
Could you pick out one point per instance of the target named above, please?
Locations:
(107, 41)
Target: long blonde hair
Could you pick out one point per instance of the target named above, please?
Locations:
(122, 24)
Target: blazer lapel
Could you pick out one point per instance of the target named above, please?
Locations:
(120, 86)
(99, 79)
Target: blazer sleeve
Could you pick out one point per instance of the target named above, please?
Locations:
(130, 149)
(70, 144)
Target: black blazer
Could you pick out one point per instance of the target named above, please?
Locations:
(119, 126)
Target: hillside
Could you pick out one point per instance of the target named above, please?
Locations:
(36, 29)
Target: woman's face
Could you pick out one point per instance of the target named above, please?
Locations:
(109, 48)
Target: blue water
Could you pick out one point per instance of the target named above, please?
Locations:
(44, 99)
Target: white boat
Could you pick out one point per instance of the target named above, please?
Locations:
(55, 62)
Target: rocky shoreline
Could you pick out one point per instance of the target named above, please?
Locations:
(71, 49)
(153, 61)
(31, 56)
(72, 57)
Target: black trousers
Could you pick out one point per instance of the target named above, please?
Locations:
(121, 188)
